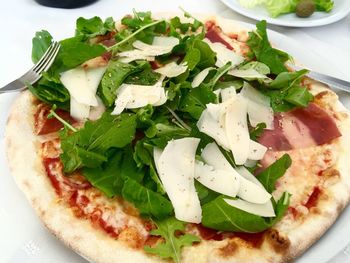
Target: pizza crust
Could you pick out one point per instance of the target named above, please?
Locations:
(79, 234)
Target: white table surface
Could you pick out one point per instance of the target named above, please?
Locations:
(20, 19)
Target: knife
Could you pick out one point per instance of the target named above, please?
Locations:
(342, 256)
(331, 81)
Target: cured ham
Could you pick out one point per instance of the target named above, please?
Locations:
(213, 34)
(300, 128)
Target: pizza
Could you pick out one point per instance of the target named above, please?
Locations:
(168, 137)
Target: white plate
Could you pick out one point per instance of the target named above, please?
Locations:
(340, 10)
(24, 239)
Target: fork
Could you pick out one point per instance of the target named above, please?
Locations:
(34, 74)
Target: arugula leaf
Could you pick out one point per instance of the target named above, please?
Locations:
(146, 77)
(192, 58)
(148, 202)
(256, 65)
(256, 132)
(94, 26)
(51, 92)
(285, 80)
(88, 146)
(271, 174)
(219, 215)
(41, 42)
(74, 51)
(194, 100)
(205, 194)
(114, 76)
(299, 96)
(172, 245)
(110, 177)
(261, 49)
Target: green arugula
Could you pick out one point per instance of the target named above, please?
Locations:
(75, 51)
(94, 26)
(41, 42)
(261, 49)
(219, 215)
(148, 202)
(88, 147)
(114, 76)
(286, 80)
(257, 131)
(172, 245)
(271, 174)
(110, 176)
(51, 92)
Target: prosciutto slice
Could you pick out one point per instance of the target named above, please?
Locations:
(213, 34)
(300, 128)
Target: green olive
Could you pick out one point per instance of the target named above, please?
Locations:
(305, 8)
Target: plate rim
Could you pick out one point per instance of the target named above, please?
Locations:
(280, 22)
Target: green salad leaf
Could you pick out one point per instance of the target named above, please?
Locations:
(40, 42)
(171, 247)
(263, 52)
(148, 202)
(219, 215)
(271, 174)
(88, 147)
(279, 7)
(94, 26)
(324, 5)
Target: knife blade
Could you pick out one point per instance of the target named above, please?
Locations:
(331, 81)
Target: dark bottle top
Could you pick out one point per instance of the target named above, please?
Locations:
(65, 3)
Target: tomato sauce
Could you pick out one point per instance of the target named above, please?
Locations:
(313, 199)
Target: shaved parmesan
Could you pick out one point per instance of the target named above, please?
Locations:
(75, 81)
(213, 126)
(221, 181)
(176, 169)
(246, 74)
(165, 41)
(264, 210)
(224, 55)
(96, 112)
(228, 93)
(248, 175)
(259, 109)
(137, 96)
(252, 192)
(93, 78)
(212, 155)
(200, 77)
(248, 190)
(78, 110)
(237, 130)
(256, 150)
(129, 56)
(172, 69)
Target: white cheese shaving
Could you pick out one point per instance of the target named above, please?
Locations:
(248, 190)
(223, 54)
(221, 181)
(143, 51)
(236, 128)
(75, 82)
(246, 74)
(131, 96)
(259, 109)
(82, 85)
(264, 210)
(172, 69)
(200, 77)
(228, 93)
(256, 150)
(175, 168)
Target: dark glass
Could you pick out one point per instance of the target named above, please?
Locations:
(65, 3)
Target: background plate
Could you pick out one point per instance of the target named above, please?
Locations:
(340, 10)
(25, 239)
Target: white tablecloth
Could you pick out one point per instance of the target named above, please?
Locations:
(20, 19)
